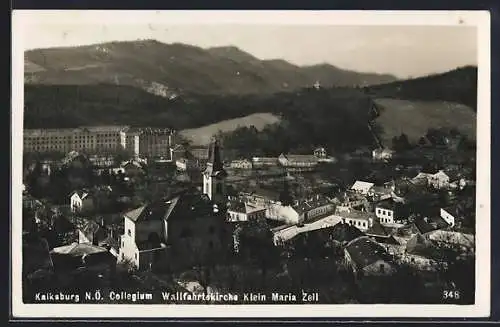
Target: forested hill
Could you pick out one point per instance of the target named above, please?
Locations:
(174, 69)
(309, 116)
(459, 85)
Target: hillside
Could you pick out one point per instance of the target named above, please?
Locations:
(179, 69)
(203, 135)
(459, 85)
(414, 118)
(308, 116)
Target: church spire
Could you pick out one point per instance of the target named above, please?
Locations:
(215, 156)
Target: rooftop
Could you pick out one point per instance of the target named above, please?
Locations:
(311, 203)
(362, 186)
(300, 157)
(78, 249)
(356, 214)
(377, 230)
(242, 207)
(364, 252)
(429, 224)
(185, 205)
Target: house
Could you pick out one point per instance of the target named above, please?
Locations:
(378, 232)
(187, 227)
(100, 161)
(240, 211)
(439, 180)
(181, 164)
(241, 164)
(264, 162)
(320, 152)
(298, 161)
(449, 214)
(78, 255)
(421, 179)
(361, 187)
(429, 224)
(133, 168)
(380, 193)
(390, 212)
(351, 200)
(367, 258)
(382, 154)
(462, 241)
(344, 233)
(421, 254)
(362, 220)
(313, 208)
(81, 200)
(92, 233)
(178, 151)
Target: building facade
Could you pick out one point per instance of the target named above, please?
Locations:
(149, 142)
(186, 229)
(85, 139)
(214, 175)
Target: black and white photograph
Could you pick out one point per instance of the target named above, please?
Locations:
(230, 164)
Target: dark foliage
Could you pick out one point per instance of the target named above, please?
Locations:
(459, 85)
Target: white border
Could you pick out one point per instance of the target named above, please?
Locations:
(480, 19)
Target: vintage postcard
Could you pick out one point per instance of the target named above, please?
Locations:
(268, 164)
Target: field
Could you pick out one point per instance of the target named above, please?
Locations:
(202, 135)
(414, 118)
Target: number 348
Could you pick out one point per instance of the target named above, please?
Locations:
(451, 295)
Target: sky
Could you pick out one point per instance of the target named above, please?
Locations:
(404, 51)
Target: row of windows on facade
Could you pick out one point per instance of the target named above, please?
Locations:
(385, 220)
(78, 140)
(357, 223)
(68, 137)
(384, 212)
(235, 216)
(57, 147)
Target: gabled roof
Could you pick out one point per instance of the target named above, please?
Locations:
(386, 204)
(441, 173)
(419, 245)
(184, 205)
(429, 224)
(78, 249)
(82, 194)
(91, 227)
(310, 204)
(242, 207)
(362, 186)
(344, 232)
(453, 237)
(377, 230)
(364, 252)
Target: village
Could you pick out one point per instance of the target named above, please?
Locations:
(162, 215)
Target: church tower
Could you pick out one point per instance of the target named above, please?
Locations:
(214, 175)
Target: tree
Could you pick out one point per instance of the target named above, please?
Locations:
(286, 198)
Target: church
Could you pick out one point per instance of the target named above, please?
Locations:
(186, 229)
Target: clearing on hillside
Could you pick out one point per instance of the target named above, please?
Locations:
(203, 135)
(414, 118)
